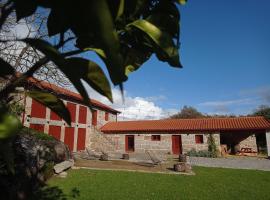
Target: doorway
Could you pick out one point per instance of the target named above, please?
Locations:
(176, 144)
(129, 140)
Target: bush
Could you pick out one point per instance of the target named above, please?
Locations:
(203, 153)
(212, 147)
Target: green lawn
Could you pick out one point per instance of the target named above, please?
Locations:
(208, 183)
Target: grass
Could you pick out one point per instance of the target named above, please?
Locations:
(208, 183)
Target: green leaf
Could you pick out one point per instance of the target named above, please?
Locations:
(53, 102)
(25, 8)
(47, 49)
(182, 2)
(57, 22)
(7, 154)
(106, 34)
(80, 68)
(5, 68)
(9, 125)
(165, 47)
(120, 9)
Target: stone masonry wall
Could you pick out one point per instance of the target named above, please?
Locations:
(116, 142)
(249, 142)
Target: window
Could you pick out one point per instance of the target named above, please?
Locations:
(199, 139)
(106, 116)
(155, 137)
(94, 117)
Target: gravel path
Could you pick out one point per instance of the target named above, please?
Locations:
(237, 163)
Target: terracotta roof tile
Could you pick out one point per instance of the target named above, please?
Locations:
(202, 124)
(58, 90)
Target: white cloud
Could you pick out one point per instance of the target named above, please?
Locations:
(245, 101)
(261, 92)
(134, 108)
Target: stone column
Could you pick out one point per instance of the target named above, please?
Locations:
(267, 134)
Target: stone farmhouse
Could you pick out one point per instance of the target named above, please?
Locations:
(178, 136)
(100, 131)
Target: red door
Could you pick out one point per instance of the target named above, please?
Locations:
(81, 139)
(69, 137)
(55, 131)
(176, 144)
(129, 140)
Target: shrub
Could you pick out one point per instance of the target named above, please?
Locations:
(212, 147)
(202, 153)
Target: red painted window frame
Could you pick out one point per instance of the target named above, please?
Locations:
(155, 137)
(199, 139)
(106, 116)
(94, 117)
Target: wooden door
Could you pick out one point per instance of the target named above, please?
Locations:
(129, 140)
(176, 144)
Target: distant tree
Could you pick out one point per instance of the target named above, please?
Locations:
(262, 110)
(188, 112)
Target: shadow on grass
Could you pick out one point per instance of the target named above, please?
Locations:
(55, 193)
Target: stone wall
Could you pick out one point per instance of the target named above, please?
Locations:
(143, 142)
(249, 142)
(189, 143)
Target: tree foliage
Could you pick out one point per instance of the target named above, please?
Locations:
(123, 33)
(262, 110)
(188, 112)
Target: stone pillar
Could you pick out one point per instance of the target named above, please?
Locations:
(267, 134)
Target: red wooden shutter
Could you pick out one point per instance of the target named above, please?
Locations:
(38, 127)
(106, 116)
(199, 139)
(81, 139)
(72, 109)
(69, 137)
(54, 116)
(55, 131)
(94, 117)
(38, 110)
(82, 114)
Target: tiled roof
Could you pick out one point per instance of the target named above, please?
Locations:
(61, 91)
(202, 124)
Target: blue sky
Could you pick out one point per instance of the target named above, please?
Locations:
(225, 52)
